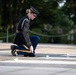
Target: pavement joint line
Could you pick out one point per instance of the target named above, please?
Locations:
(40, 62)
(59, 58)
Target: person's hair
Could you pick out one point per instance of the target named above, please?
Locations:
(27, 11)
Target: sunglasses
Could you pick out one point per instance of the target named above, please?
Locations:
(35, 15)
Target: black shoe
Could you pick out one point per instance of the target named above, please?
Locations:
(13, 50)
(29, 55)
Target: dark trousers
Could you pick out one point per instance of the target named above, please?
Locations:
(34, 41)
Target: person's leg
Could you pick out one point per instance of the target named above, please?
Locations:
(34, 41)
(21, 47)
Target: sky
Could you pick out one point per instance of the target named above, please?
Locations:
(62, 4)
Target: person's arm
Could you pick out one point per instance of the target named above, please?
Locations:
(26, 35)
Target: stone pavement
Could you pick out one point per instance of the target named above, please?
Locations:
(51, 59)
(42, 50)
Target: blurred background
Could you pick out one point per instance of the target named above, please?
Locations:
(56, 22)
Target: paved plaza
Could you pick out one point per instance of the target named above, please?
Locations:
(50, 59)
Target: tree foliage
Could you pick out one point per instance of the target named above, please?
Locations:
(12, 10)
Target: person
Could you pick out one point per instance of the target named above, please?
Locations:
(22, 37)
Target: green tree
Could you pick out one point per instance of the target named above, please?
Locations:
(15, 9)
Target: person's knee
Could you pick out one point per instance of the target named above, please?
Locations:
(38, 38)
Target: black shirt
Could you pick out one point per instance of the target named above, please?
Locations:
(22, 34)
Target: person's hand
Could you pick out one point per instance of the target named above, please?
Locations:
(31, 49)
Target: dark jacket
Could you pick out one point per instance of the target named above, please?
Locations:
(22, 36)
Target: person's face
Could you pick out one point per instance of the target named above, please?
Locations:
(33, 16)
